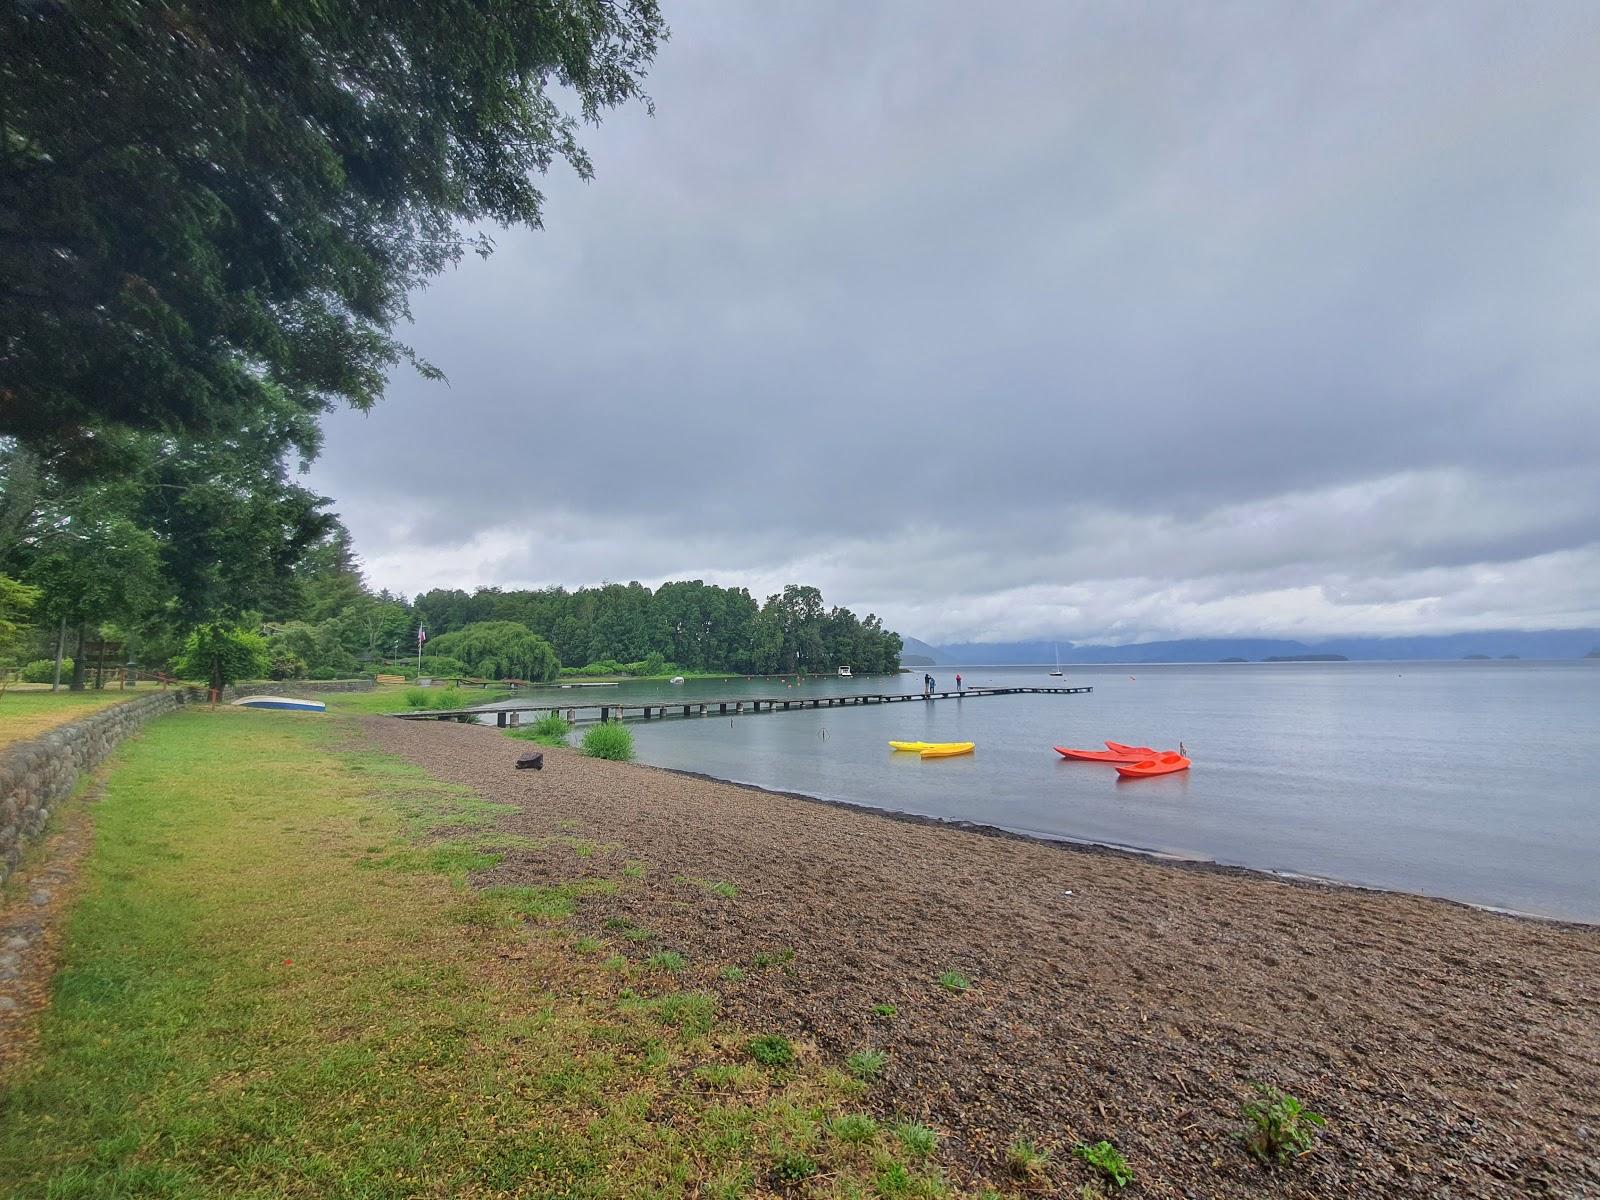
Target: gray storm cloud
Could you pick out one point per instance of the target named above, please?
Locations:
(1100, 322)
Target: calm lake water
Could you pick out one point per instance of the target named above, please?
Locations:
(1474, 781)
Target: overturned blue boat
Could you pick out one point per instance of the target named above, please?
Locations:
(293, 703)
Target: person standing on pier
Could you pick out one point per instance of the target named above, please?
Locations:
(958, 681)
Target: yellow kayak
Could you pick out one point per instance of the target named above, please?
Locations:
(912, 745)
(947, 750)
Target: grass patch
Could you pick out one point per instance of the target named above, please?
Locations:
(853, 1129)
(866, 1065)
(1026, 1160)
(954, 981)
(723, 888)
(25, 714)
(254, 1000)
(772, 958)
(666, 960)
(919, 1140)
(771, 1050)
(612, 740)
(887, 1011)
(732, 973)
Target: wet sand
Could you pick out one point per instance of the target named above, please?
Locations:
(1455, 1052)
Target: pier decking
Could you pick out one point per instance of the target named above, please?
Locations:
(510, 712)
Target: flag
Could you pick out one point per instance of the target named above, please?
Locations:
(422, 635)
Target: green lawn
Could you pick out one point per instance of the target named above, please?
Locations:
(277, 983)
(26, 714)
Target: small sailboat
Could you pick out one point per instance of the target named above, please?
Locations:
(1056, 674)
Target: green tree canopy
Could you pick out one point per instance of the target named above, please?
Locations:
(211, 212)
(222, 654)
(501, 650)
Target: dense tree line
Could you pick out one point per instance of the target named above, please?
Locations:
(691, 624)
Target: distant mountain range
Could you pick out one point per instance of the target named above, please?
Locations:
(1510, 643)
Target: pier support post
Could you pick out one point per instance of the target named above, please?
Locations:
(605, 714)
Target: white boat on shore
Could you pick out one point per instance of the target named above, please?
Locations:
(292, 703)
(844, 673)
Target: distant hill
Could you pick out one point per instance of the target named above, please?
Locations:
(1506, 644)
(918, 654)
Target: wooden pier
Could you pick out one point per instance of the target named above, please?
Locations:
(511, 712)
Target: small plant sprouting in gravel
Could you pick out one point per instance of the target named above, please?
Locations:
(615, 963)
(854, 1128)
(773, 958)
(1107, 1159)
(954, 981)
(919, 1140)
(638, 935)
(588, 945)
(616, 923)
(794, 1167)
(771, 1050)
(633, 870)
(667, 960)
(866, 1064)
(1027, 1160)
(884, 1010)
(732, 973)
(723, 888)
(1278, 1126)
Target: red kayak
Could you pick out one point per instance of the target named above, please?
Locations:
(1117, 754)
(1161, 764)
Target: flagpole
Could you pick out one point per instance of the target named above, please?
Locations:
(421, 637)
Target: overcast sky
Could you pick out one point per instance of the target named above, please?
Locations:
(1100, 322)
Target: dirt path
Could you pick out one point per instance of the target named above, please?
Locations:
(1454, 1052)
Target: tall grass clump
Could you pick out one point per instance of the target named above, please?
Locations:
(549, 730)
(451, 697)
(418, 698)
(610, 740)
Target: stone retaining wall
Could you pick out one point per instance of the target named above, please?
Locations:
(36, 775)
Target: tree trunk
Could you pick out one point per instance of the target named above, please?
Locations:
(78, 665)
(61, 646)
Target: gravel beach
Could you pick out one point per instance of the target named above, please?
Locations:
(1454, 1052)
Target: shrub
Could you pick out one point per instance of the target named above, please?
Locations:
(1107, 1159)
(1277, 1126)
(43, 670)
(287, 666)
(771, 1050)
(611, 740)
